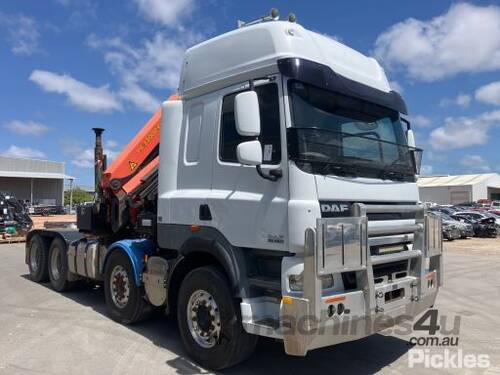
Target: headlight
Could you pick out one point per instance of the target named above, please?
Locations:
(296, 282)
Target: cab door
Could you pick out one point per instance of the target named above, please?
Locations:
(247, 209)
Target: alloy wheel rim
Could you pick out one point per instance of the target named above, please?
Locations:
(34, 257)
(203, 319)
(56, 263)
(119, 286)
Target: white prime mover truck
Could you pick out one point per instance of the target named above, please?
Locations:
(274, 195)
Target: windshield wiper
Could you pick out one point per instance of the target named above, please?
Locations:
(387, 173)
(391, 175)
(339, 170)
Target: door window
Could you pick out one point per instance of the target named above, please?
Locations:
(269, 121)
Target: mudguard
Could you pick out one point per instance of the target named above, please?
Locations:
(135, 250)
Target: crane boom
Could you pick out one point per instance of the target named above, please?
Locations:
(130, 183)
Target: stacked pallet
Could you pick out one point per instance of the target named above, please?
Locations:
(39, 223)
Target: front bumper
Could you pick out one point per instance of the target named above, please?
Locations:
(301, 335)
(340, 245)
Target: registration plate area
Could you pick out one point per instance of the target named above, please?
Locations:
(394, 294)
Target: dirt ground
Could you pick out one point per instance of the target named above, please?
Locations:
(474, 245)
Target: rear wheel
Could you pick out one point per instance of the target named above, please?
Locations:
(58, 266)
(38, 259)
(209, 320)
(124, 299)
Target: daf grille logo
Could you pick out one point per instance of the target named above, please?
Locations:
(333, 207)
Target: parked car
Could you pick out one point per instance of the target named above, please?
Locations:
(466, 229)
(444, 209)
(495, 205)
(450, 231)
(478, 215)
(483, 227)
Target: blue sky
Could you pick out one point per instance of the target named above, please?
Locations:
(69, 65)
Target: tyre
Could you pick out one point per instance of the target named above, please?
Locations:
(124, 299)
(209, 320)
(38, 259)
(58, 266)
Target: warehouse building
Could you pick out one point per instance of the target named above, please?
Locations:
(36, 181)
(459, 189)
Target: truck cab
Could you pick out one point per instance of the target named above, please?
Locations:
(286, 185)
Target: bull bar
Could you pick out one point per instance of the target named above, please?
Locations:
(340, 245)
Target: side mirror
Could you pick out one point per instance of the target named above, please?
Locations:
(249, 153)
(247, 114)
(411, 138)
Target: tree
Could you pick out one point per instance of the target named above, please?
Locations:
(79, 196)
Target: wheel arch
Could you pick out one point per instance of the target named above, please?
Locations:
(135, 250)
(201, 251)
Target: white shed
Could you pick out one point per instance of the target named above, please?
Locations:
(36, 181)
(459, 189)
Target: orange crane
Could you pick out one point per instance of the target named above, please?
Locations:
(123, 188)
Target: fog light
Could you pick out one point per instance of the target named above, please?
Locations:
(296, 282)
(326, 281)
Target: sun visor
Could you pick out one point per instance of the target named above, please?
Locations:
(324, 77)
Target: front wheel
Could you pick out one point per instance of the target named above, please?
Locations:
(209, 320)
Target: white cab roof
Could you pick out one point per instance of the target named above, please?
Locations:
(237, 55)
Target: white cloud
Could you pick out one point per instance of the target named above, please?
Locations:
(464, 39)
(166, 12)
(421, 121)
(426, 170)
(27, 127)
(23, 152)
(79, 94)
(489, 93)
(155, 62)
(82, 155)
(84, 159)
(461, 132)
(142, 99)
(475, 162)
(461, 100)
(396, 86)
(21, 32)
(80, 11)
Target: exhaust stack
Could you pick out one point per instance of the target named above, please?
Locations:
(99, 161)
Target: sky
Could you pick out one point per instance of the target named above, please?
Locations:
(67, 66)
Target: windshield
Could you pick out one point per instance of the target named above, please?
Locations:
(337, 134)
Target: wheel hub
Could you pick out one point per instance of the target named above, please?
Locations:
(120, 286)
(34, 257)
(56, 263)
(203, 318)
